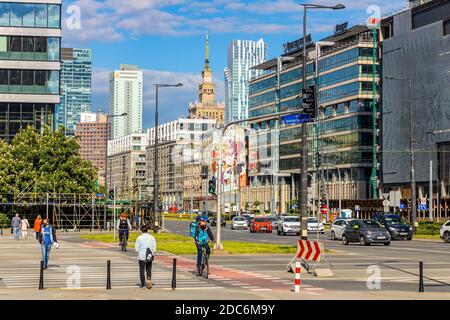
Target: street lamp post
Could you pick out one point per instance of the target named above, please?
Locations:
(108, 116)
(411, 152)
(304, 157)
(155, 169)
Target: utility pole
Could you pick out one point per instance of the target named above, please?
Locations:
(431, 191)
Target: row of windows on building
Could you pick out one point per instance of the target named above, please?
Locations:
(13, 14)
(29, 81)
(29, 48)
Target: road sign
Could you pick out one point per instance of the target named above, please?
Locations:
(309, 250)
(324, 209)
(296, 119)
(402, 206)
(357, 208)
(423, 207)
(385, 203)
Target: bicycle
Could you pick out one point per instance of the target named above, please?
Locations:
(123, 241)
(204, 270)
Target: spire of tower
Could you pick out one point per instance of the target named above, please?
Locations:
(207, 52)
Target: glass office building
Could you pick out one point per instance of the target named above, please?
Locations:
(30, 39)
(343, 131)
(242, 56)
(76, 87)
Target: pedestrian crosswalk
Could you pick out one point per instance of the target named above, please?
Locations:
(76, 267)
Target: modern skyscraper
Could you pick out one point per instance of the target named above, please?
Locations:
(242, 56)
(125, 96)
(30, 35)
(206, 107)
(76, 82)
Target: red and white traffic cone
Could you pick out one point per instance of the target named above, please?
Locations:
(297, 282)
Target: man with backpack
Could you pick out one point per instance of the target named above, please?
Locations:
(202, 236)
(145, 246)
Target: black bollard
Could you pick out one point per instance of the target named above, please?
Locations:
(41, 276)
(174, 274)
(421, 286)
(108, 275)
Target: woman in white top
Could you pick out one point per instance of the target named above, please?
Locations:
(25, 226)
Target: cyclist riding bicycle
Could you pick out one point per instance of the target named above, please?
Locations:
(124, 227)
(202, 236)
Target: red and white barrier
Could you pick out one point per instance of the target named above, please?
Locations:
(309, 250)
(298, 281)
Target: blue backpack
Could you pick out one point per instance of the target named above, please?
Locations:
(193, 228)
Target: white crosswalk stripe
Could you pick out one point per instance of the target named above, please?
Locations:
(21, 269)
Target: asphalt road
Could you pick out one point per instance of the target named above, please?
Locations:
(398, 263)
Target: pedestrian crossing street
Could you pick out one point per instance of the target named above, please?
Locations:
(75, 267)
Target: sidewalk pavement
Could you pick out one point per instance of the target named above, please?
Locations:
(211, 295)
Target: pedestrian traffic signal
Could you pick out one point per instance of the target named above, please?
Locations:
(111, 194)
(318, 160)
(309, 101)
(212, 186)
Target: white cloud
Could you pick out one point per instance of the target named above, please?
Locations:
(173, 102)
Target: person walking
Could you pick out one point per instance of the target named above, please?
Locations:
(15, 226)
(37, 226)
(24, 226)
(47, 238)
(145, 246)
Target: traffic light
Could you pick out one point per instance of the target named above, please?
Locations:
(212, 186)
(309, 101)
(111, 194)
(318, 160)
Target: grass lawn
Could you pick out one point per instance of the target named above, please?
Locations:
(183, 245)
(426, 237)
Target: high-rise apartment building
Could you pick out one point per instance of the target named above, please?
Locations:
(125, 96)
(76, 83)
(91, 134)
(30, 37)
(242, 56)
(207, 107)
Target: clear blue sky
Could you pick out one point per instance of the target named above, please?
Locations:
(166, 38)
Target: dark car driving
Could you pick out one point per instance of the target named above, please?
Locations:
(365, 232)
(395, 224)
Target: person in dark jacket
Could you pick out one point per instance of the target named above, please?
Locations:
(47, 237)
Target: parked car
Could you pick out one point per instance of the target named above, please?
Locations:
(313, 224)
(445, 232)
(239, 223)
(260, 224)
(395, 224)
(288, 224)
(365, 232)
(337, 228)
(214, 222)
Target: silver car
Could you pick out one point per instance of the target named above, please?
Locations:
(337, 228)
(288, 224)
(239, 223)
(445, 232)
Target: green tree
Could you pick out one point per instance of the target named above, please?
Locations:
(47, 162)
(7, 170)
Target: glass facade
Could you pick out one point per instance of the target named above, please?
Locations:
(76, 83)
(29, 81)
(17, 116)
(30, 15)
(29, 48)
(345, 89)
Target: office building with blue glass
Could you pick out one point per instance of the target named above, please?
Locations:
(343, 132)
(76, 87)
(30, 36)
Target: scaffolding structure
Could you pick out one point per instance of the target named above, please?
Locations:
(69, 211)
